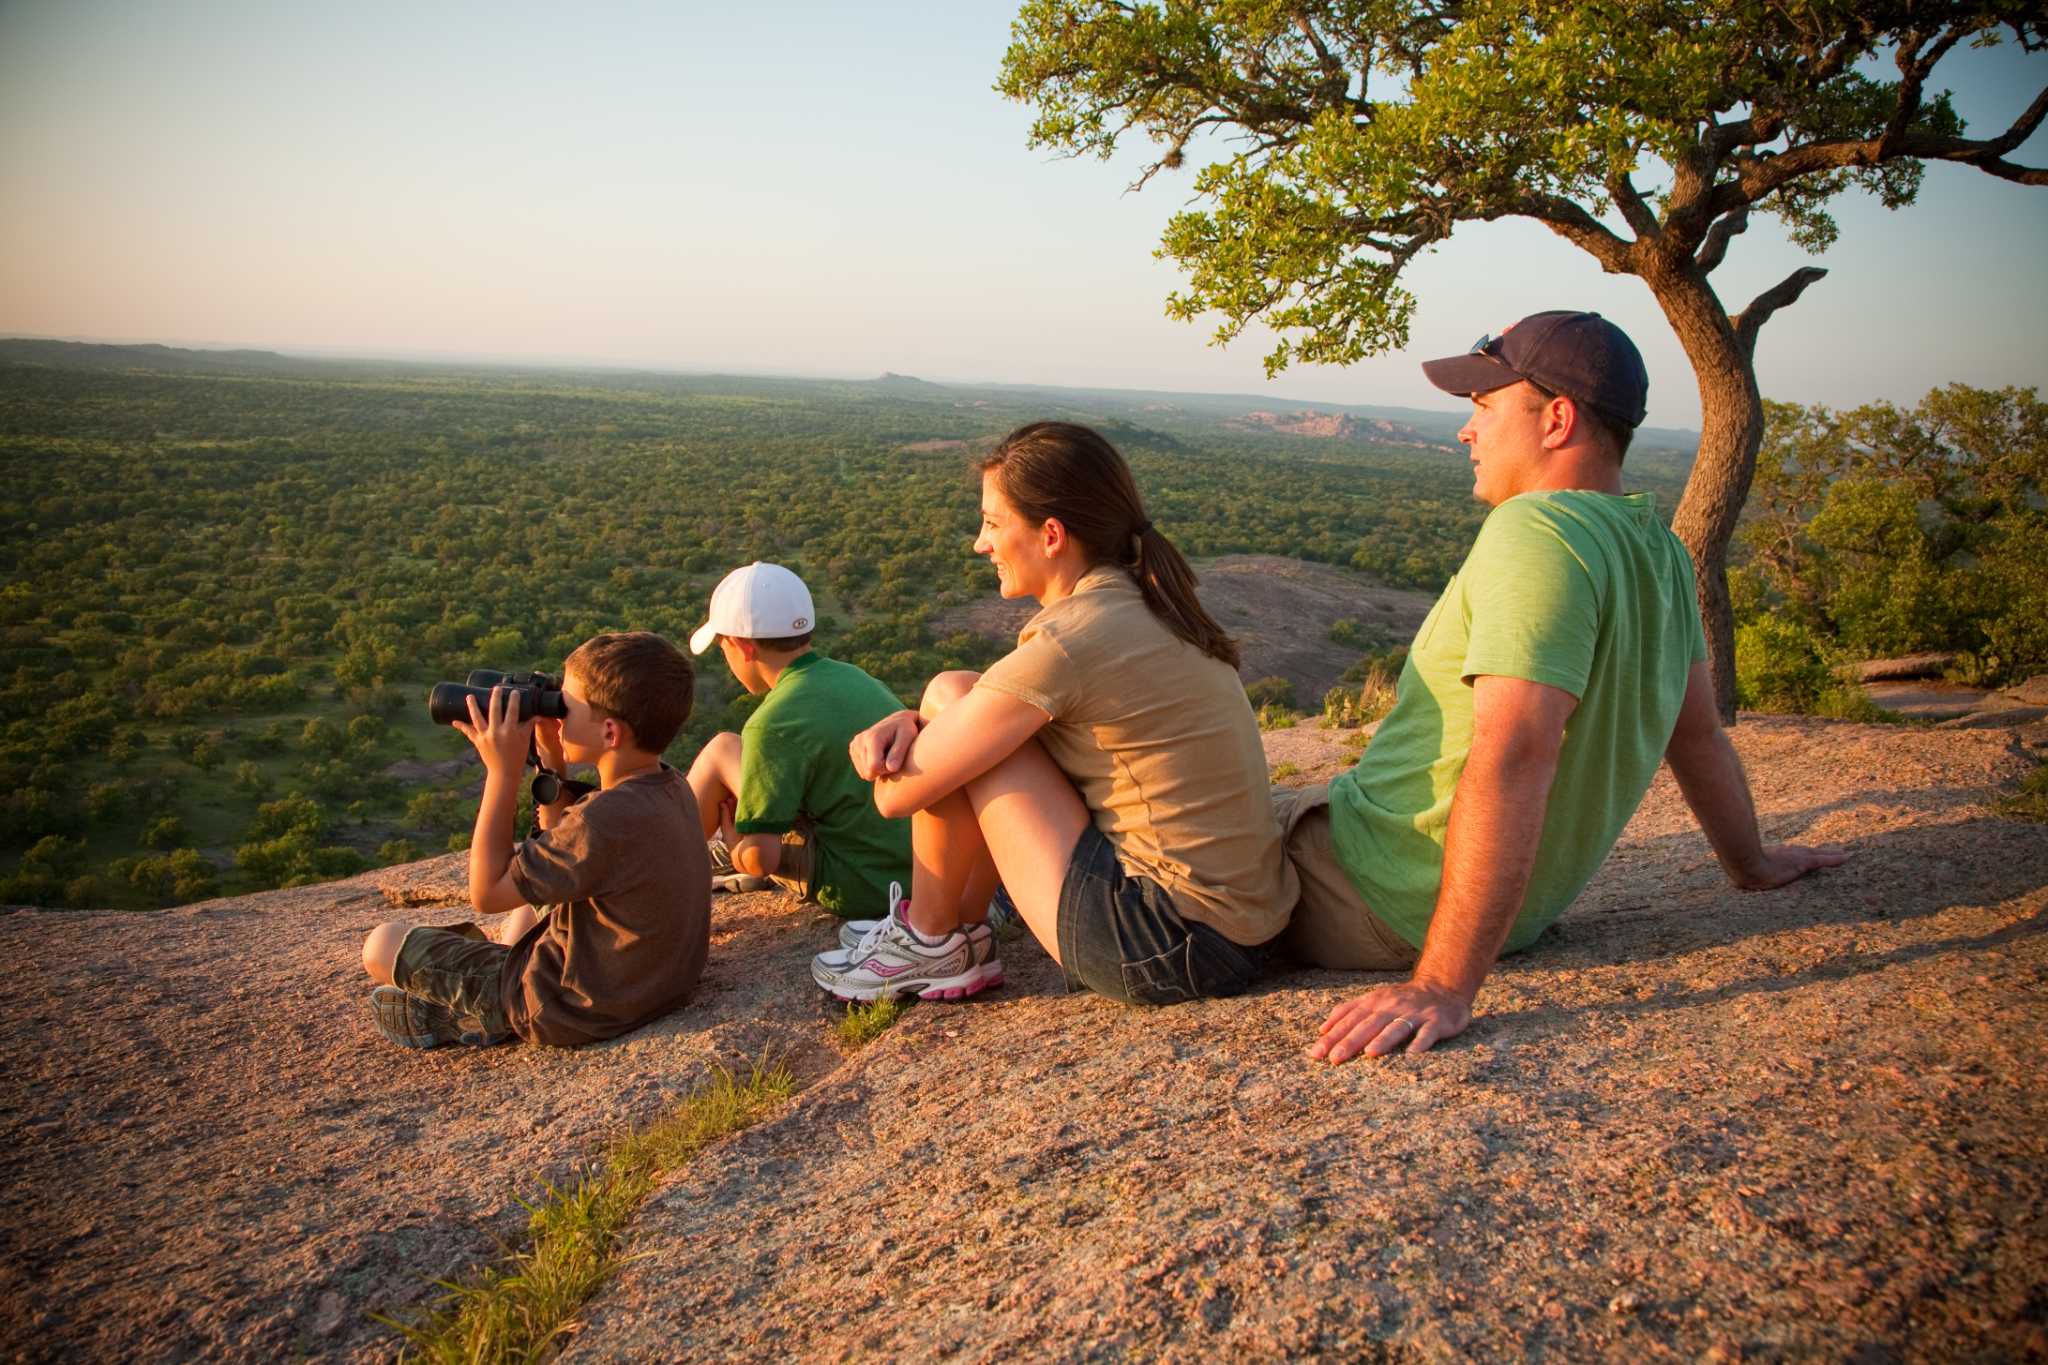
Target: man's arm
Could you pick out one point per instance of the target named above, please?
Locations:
(1710, 775)
(1489, 853)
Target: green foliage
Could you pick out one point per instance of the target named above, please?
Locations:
(1880, 531)
(226, 585)
(2030, 802)
(1345, 707)
(1274, 716)
(1779, 666)
(1349, 633)
(1270, 692)
(183, 876)
(1357, 136)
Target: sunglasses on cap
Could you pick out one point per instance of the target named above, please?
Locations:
(1489, 346)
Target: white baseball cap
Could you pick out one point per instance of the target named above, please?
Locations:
(760, 602)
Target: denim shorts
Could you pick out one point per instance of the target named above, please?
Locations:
(1121, 937)
(459, 966)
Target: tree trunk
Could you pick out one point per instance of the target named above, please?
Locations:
(1731, 430)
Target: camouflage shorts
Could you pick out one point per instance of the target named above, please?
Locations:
(459, 966)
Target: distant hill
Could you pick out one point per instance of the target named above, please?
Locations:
(84, 355)
(908, 384)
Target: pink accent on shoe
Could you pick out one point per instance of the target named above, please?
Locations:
(885, 971)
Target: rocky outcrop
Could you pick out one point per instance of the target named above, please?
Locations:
(1905, 667)
(1688, 1122)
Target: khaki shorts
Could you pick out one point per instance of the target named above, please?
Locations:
(796, 869)
(1332, 925)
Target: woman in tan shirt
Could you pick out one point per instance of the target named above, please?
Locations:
(1107, 774)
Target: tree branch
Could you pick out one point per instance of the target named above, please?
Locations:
(1761, 175)
(1715, 249)
(1781, 295)
(1575, 225)
(1633, 210)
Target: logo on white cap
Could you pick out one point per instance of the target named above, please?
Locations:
(759, 602)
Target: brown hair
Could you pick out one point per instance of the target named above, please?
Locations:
(639, 678)
(781, 644)
(1063, 470)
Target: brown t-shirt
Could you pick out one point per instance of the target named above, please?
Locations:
(1163, 746)
(626, 887)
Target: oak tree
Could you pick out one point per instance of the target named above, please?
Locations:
(1359, 133)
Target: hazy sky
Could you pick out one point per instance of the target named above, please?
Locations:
(800, 188)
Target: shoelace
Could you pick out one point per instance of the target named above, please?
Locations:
(872, 939)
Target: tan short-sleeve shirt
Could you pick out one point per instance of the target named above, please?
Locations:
(1162, 745)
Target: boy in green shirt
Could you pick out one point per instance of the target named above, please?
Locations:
(780, 801)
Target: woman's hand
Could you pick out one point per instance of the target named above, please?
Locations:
(879, 750)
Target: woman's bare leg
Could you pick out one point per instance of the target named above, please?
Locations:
(1017, 823)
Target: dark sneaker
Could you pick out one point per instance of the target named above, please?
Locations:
(726, 877)
(412, 1021)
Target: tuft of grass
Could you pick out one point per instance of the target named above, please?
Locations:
(863, 1024)
(1275, 716)
(2030, 802)
(1283, 771)
(519, 1308)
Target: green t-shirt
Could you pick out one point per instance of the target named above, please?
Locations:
(1583, 591)
(794, 767)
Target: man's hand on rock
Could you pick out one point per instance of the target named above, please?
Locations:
(1410, 1015)
(1778, 864)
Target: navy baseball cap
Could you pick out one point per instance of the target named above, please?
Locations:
(1580, 355)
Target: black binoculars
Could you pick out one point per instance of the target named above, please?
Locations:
(533, 694)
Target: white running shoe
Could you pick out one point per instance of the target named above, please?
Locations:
(852, 931)
(855, 936)
(895, 961)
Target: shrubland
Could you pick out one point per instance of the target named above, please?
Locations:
(228, 588)
(1884, 531)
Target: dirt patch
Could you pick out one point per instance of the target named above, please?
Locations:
(923, 447)
(1279, 610)
(1688, 1122)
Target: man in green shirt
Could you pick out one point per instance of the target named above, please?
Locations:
(1563, 662)
(780, 800)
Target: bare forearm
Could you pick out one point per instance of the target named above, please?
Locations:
(1711, 779)
(1489, 852)
(490, 845)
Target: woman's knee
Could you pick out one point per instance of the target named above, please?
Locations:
(945, 689)
(380, 950)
